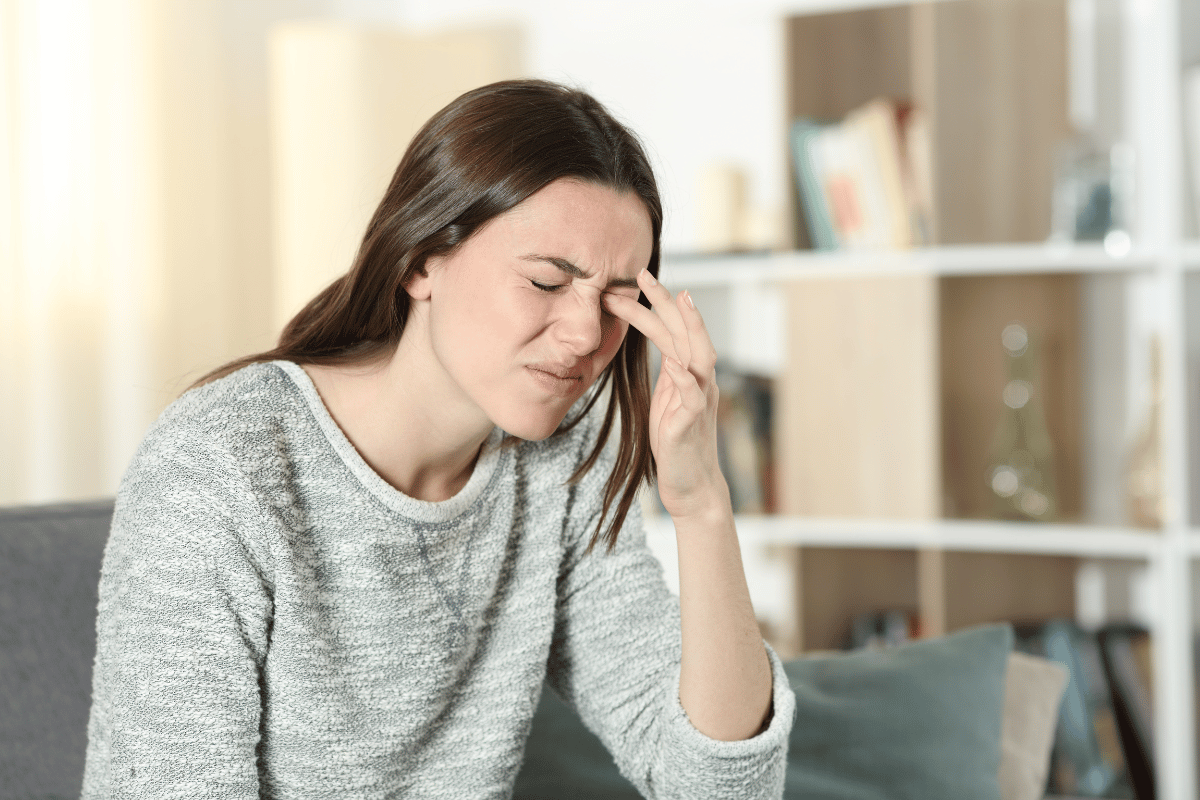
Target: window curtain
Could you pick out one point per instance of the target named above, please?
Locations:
(143, 237)
(134, 224)
(75, 249)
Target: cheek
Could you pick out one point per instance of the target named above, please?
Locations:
(504, 320)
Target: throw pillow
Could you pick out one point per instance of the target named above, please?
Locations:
(918, 722)
(1033, 689)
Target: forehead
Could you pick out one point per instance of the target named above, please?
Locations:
(592, 226)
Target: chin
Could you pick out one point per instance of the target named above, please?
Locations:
(532, 430)
(532, 423)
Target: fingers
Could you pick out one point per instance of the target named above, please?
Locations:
(674, 325)
(690, 395)
(661, 301)
(703, 354)
(642, 318)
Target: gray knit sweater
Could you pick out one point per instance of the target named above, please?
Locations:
(276, 620)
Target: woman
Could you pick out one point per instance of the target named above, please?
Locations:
(343, 567)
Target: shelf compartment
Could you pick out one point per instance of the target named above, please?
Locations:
(990, 77)
(890, 396)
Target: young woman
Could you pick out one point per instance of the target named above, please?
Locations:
(342, 568)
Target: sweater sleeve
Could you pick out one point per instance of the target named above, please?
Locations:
(615, 658)
(182, 631)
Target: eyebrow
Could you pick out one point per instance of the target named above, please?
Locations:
(576, 272)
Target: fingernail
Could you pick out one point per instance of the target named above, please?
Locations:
(687, 298)
(649, 278)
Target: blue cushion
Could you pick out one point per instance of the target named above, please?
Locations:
(920, 721)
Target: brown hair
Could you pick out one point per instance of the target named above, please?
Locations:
(475, 159)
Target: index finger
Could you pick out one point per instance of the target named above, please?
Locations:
(703, 353)
(642, 318)
(667, 309)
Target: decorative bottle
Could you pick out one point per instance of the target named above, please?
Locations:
(1021, 462)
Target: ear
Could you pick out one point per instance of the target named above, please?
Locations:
(419, 286)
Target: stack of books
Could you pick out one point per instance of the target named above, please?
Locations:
(866, 182)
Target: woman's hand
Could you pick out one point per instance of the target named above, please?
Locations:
(725, 676)
(683, 410)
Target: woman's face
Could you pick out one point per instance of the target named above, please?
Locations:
(515, 318)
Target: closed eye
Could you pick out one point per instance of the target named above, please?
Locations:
(547, 287)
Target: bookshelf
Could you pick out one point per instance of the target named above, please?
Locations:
(916, 549)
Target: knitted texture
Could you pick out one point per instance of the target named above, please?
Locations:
(276, 620)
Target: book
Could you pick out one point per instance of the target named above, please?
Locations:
(876, 125)
(744, 441)
(1087, 759)
(917, 165)
(812, 198)
(1126, 652)
(852, 186)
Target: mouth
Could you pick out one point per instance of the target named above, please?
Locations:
(573, 372)
(558, 380)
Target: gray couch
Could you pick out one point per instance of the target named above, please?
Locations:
(50, 560)
(49, 570)
(929, 714)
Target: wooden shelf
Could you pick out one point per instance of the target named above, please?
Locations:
(743, 268)
(1084, 541)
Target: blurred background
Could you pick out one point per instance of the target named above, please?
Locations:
(147, 180)
(948, 251)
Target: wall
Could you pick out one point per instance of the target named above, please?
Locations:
(699, 81)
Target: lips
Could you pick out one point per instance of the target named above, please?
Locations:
(557, 379)
(566, 372)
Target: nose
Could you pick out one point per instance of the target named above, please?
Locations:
(580, 324)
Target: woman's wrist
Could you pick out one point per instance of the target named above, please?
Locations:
(711, 510)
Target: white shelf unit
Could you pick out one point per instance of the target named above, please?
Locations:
(1006, 259)
(1151, 119)
(1151, 62)
(1168, 554)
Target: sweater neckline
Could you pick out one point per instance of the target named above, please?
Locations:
(390, 496)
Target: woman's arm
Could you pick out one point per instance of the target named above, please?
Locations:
(725, 676)
(616, 658)
(181, 631)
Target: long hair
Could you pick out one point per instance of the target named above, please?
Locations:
(478, 157)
